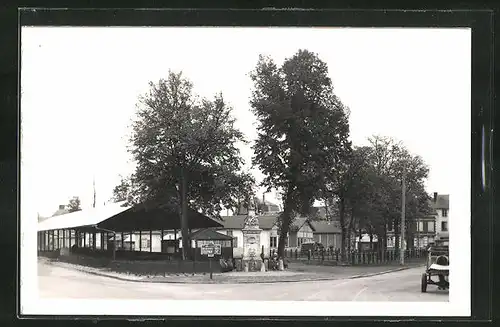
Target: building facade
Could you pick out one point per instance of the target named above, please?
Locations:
(423, 230)
(327, 233)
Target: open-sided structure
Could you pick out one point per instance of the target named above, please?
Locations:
(97, 228)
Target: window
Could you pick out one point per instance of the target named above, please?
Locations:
(420, 226)
(229, 233)
(444, 226)
(430, 226)
(390, 227)
(235, 242)
(273, 242)
(445, 213)
(145, 243)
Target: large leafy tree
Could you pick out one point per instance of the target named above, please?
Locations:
(185, 150)
(390, 160)
(302, 131)
(350, 185)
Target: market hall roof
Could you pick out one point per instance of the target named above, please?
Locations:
(82, 218)
(142, 218)
(118, 217)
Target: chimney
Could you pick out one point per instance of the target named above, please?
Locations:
(435, 196)
(62, 207)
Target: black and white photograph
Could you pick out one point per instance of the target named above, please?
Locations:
(245, 171)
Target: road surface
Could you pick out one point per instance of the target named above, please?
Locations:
(57, 282)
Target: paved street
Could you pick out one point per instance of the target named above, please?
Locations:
(59, 282)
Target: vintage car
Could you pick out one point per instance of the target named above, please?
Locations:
(437, 264)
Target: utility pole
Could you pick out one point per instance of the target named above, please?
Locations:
(403, 219)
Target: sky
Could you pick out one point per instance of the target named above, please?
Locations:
(80, 86)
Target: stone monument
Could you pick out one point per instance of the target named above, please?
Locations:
(251, 239)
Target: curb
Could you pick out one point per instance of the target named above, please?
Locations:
(145, 280)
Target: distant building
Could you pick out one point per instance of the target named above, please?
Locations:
(425, 228)
(441, 206)
(327, 233)
(41, 218)
(61, 211)
(324, 213)
(301, 231)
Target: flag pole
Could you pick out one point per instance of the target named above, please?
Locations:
(93, 185)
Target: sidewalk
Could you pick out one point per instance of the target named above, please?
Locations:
(296, 273)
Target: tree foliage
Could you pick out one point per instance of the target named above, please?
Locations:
(185, 150)
(74, 204)
(302, 130)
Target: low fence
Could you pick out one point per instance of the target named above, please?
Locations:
(147, 267)
(333, 257)
(127, 263)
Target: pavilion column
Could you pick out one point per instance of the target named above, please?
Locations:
(84, 239)
(175, 239)
(140, 241)
(94, 240)
(69, 232)
(161, 240)
(131, 241)
(123, 240)
(150, 240)
(58, 245)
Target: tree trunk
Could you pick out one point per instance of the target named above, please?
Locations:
(186, 244)
(343, 229)
(285, 223)
(371, 240)
(327, 214)
(350, 232)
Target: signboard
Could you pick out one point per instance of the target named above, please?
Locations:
(211, 249)
(218, 249)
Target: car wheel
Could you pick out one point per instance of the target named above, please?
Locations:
(424, 283)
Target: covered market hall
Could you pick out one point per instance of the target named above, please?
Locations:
(119, 231)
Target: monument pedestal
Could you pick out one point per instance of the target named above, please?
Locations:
(251, 249)
(252, 260)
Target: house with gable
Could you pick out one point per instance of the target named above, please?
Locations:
(327, 233)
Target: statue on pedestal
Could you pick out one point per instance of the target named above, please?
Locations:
(251, 220)
(251, 238)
